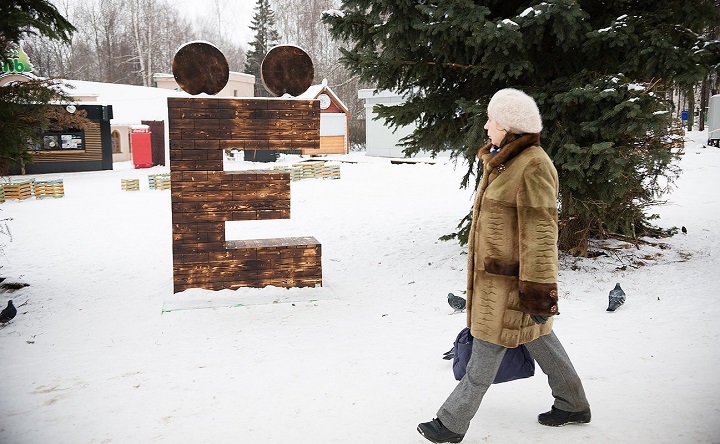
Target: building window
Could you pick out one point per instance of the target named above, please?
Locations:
(115, 138)
(61, 141)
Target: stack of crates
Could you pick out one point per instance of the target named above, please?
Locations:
(331, 172)
(162, 182)
(130, 184)
(18, 190)
(311, 171)
(308, 170)
(159, 181)
(294, 175)
(49, 188)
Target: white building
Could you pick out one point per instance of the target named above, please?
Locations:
(239, 84)
(382, 141)
(334, 120)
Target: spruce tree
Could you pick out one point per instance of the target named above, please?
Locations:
(599, 71)
(266, 36)
(25, 107)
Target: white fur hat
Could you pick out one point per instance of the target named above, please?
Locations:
(515, 111)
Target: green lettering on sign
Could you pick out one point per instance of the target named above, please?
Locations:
(16, 62)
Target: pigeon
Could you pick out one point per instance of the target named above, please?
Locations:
(617, 298)
(8, 313)
(684, 230)
(456, 302)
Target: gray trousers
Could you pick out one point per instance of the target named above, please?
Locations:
(462, 404)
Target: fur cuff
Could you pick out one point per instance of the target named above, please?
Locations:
(496, 266)
(537, 298)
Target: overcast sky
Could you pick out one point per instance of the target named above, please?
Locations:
(238, 14)
(235, 20)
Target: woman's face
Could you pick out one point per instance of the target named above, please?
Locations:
(495, 131)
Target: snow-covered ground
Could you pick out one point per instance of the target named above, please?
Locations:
(101, 350)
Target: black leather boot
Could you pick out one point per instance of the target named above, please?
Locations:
(435, 431)
(556, 417)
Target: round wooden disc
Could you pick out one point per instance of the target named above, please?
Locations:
(199, 67)
(287, 69)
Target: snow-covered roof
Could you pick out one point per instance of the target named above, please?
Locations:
(131, 104)
(314, 91)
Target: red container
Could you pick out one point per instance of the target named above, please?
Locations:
(141, 146)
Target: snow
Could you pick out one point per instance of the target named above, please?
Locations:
(102, 351)
(131, 104)
(529, 11)
(334, 13)
(507, 22)
(619, 22)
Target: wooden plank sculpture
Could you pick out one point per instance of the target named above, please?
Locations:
(199, 67)
(204, 197)
(287, 69)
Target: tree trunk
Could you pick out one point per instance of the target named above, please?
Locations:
(573, 236)
(703, 102)
(148, 78)
(135, 14)
(691, 108)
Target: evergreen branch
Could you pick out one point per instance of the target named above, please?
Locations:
(350, 80)
(431, 63)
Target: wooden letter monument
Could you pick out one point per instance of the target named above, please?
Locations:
(204, 196)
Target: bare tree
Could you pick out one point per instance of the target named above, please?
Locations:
(171, 30)
(100, 50)
(161, 30)
(216, 29)
(142, 27)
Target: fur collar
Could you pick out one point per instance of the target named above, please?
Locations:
(509, 150)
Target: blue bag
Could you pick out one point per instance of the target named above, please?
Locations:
(516, 364)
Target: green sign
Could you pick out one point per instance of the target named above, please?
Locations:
(16, 62)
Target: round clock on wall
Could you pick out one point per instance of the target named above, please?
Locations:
(324, 101)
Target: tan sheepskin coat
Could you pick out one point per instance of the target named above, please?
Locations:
(513, 258)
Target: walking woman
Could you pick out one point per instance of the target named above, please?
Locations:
(512, 271)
